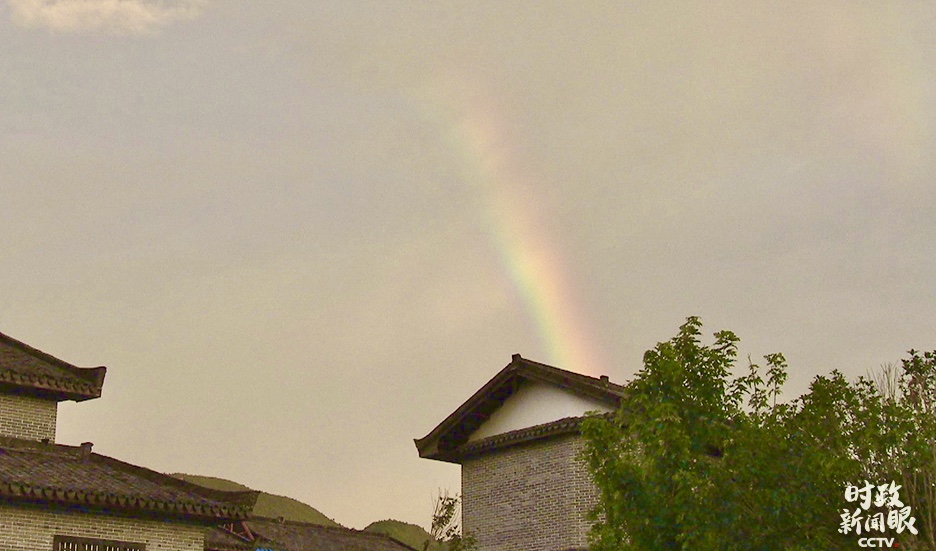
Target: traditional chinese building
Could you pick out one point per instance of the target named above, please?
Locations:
(68, 498)
(265, 534)
(518, 443)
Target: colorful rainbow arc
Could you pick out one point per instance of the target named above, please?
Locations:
(533, 261)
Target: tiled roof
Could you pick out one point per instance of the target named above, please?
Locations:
(297, 536)
(449, 440)
(568, 425)
(235, 537)
(25, 370)
(554, 428)
(34, 472)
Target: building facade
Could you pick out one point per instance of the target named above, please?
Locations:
(524, 486)
(55, 497)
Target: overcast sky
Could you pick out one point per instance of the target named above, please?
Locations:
(299, 234)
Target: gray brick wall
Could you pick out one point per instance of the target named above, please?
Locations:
(32, 529)
(27, 417)
(531, 497)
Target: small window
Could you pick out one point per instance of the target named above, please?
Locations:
(65, 543)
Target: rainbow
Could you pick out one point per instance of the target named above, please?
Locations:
(531, 259)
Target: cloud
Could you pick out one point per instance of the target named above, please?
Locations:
(113, 16)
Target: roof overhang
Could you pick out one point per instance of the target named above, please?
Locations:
(74, 477)
(449, 440)
(27, 371)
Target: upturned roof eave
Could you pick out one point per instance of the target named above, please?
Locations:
(74, 383)
(519, 367)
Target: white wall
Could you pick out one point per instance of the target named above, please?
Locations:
(533, 404)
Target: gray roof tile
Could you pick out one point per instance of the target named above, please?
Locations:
(34, 472)
(26, 370)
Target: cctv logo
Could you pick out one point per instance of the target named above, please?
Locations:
(876, 542)
(889, 513)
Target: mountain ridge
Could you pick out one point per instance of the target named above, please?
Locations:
(277, 506)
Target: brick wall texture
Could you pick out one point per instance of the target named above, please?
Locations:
(32, 529)
(531, 497)
(27, 417)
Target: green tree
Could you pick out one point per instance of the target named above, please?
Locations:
(699, 459)
(906, 448)
(446, 532)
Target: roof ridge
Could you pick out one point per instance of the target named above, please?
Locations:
(12, 442)
(238, 498)
(293, 522)
(323, 527)
(602, 380)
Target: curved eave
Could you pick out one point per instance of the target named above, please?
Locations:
(55, 380)
(568, 425)
(130, 505)
(452, 433)
(50, 388)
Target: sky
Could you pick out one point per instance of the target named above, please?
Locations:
(300, 234)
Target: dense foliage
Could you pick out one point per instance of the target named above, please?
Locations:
(697, 458)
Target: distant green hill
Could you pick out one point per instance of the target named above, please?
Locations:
(410, 534)
(268, 505)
